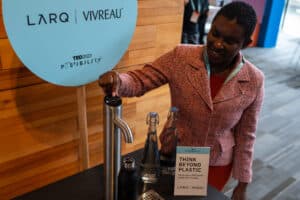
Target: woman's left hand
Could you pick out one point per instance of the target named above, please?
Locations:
(239, 192)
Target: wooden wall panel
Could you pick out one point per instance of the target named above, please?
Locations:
(144, 37)
(39, 121)
(8, 56)
(31, 123)
(156, 12)
(37, 169)
(17, 77)
(2, 30)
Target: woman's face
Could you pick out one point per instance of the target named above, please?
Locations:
(224, 41)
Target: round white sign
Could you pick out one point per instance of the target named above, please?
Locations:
(70, 42)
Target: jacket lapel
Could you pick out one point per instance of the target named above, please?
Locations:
(198, 78)
(233, 88)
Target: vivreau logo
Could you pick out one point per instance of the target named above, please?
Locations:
(80, 61)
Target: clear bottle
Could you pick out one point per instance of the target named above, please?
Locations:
(170, 140)
(150, 165)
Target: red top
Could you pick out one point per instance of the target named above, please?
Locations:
(216, 82)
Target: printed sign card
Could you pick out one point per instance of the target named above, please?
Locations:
(191, 171)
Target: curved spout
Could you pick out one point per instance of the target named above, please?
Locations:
(124, 129)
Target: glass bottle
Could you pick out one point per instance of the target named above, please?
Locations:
(128, 180)
(150, 162)
(169, 133)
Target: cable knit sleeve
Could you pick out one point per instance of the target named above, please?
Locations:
(138, 82)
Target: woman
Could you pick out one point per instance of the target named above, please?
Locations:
(219, 94)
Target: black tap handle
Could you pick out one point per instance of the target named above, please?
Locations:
(112, 100)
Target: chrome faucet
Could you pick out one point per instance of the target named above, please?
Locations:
(113, 126)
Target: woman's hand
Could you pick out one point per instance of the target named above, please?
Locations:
(239, 192)
(110, 82)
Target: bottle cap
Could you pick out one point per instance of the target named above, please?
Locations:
(129, 163)
(152, 118)
(173, 112)
(174, 109)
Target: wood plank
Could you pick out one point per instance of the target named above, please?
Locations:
(22, 139)
(144, 37)
(164, 38)
(2, 29)
(96, 149)
(38, 181)
(37, 170)
(11, 171)
(158, 4)
(159, 11)
(82, 128)
(137, 57)
(8, 57)
(17, 78)
(34, 98)
(154, 12)
(162, 19)
(41, 116)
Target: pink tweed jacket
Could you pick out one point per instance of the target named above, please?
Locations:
(226, 123)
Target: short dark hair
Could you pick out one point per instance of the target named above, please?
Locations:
(243, 13)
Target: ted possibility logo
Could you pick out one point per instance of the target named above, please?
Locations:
(80, 61)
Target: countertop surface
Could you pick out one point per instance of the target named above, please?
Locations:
(88, 185)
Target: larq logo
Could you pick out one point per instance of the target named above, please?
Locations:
(80, 61)
(51, 18)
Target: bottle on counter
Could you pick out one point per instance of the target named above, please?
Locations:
(168, 149)
(128, 180)
(150, 164)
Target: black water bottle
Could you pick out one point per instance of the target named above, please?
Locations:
(128, 180)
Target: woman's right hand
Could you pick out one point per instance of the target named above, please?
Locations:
(110, 82)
